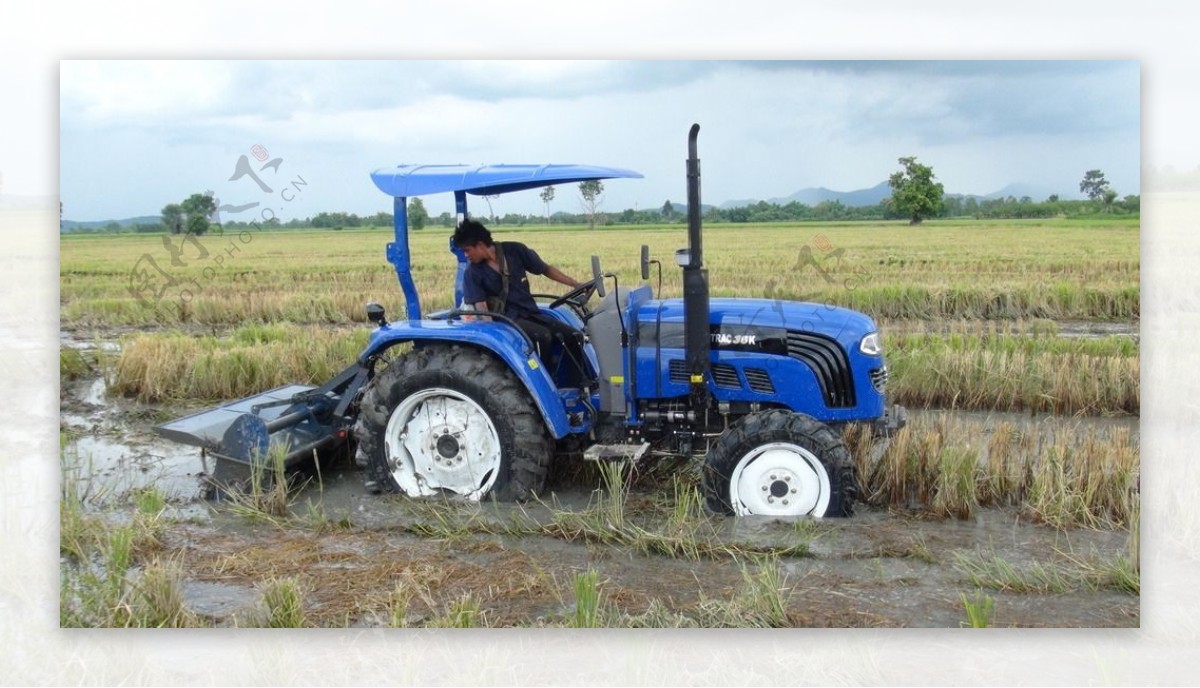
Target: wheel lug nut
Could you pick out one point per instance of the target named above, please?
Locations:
(793, 490)
(774, 478)
(787, 478)
(770, 500)
(785, 502)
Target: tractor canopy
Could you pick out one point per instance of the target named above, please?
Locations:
(403, 181)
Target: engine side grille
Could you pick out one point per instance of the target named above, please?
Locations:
(759, 380)
(828, 362)
(879, 379)
(679, 370)
(725, 375)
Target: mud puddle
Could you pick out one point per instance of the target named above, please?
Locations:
(877, 569)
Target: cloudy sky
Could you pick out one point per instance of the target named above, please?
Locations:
(136, 135)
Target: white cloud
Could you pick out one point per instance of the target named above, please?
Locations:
(127, 92)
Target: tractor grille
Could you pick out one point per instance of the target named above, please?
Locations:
(679, 371)
(759, 380)
(828, 362)
(725, 375)
(879, 379)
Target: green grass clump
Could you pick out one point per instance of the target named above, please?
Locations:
(284, 604)
(761, 602)
(462, 612)
(587, 601)
(979, 610)
(1065, 573)
(72, 365)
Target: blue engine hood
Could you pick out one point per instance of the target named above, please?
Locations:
(820, 318)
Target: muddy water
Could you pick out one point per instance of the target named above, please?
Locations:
(350, 549)
(117, 453)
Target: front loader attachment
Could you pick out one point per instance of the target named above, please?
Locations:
(246, 436)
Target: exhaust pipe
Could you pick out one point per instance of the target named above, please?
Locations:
(695, 286)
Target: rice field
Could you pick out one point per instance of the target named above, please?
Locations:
(1018, 419)
(968, 271)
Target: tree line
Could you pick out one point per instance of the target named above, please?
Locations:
(916, 196)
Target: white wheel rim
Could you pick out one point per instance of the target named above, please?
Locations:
(779, 479)
(440, 439)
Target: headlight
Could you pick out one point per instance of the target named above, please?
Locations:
(870, 345)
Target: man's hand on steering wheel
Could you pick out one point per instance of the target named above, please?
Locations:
(578, 296)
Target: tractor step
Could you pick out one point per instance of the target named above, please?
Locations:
(616, 452)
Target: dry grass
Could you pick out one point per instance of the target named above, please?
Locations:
(1063, 476)
(158, 367)
(1014, 372)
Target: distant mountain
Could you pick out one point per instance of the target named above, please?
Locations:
(1037, 193)
(859, 198)
(818, 195)
(73, 225)
(681, 208)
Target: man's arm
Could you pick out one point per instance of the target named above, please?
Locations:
(480, 307)
(560, 277)
(535, 264)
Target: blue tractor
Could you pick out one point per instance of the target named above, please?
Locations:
(447, 404)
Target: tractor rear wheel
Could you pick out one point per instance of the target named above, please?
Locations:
(452, 419)
(779, 463)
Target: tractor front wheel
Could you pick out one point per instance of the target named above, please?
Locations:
(455, 420)
(779, 463)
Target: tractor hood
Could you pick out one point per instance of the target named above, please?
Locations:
(736, 316)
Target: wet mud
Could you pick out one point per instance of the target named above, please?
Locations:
(353, 553)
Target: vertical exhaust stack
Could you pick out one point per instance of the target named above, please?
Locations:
(695, 286)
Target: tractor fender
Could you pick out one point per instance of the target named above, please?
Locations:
(499, 338)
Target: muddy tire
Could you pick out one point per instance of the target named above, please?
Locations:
(779, 463)
(455, 420)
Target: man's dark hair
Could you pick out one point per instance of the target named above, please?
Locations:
(471, 232)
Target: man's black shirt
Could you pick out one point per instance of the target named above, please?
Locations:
(481, 281)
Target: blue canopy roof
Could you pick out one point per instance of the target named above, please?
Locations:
(404, 181)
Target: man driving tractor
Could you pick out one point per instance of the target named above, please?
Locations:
(496, 281)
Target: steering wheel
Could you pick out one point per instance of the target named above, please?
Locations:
(577, 297)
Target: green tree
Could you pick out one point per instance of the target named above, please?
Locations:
(1094, 185)
(590, 191)
(547, 195)
(172, 218)
(668, 210)
(1108, 198)
(914, 191)
(417, 215)
(198, 207)
(197, 224)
